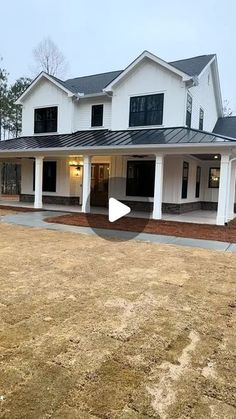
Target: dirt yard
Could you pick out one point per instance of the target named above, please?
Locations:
(91, 328)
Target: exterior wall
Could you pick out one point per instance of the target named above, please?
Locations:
(62, 183)
(146, 78)
(47, 94)
(204, 96)
(69, 183)
(83, 113)
(172, 180)
(149, 78)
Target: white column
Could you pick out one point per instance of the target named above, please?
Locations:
(38, 199)
(223, 190)
(232, 186)
(158, 187)
(86, 184)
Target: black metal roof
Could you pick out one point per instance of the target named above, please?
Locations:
(226, 126)
(113, 139)
(97, 82)
(193, 66)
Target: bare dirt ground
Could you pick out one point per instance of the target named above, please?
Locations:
(99, 329)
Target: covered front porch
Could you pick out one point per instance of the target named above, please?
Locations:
(186, 188)
(198, 217)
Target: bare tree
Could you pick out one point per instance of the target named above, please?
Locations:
(49, 58)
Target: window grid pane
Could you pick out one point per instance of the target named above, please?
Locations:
(214, 177)
(45, 120)
(146, 110)
(97, 116)
(140, 178)
(189, 110)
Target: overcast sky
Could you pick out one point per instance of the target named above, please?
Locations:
(98, 36)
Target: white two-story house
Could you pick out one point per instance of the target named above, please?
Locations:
(152, 135)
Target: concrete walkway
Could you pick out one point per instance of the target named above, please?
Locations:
(36, 220)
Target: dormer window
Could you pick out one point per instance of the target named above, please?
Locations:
(45, 120)
(146, 110)
(97, 116)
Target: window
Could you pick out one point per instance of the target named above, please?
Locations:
(189, 110)
(201, 118)
(140, 178)
(146, 110)
(185, 180)
(198, 182)
(97, 116)
(45, 120)
(214, 177)
(49, 176)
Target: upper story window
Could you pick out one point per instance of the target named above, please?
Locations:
(45, 120)
(189, 110)
(146, 110)
(97, 116)
(201, 118)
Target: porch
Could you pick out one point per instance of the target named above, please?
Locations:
(196, 217)
(177, 186)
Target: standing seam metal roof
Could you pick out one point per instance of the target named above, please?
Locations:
(106, 138)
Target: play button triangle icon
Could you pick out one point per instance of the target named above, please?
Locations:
(117, 210)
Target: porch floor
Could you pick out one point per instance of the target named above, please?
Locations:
(199, 217)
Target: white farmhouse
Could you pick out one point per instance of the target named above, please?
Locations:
(152, 135)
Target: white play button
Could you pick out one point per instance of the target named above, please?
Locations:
(117, 210)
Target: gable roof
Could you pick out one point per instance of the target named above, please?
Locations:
(91, 84)
(226, 126)
(97, 83)
(194, 65)
(106, 139)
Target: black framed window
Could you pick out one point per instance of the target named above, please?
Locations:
(146, 110)
(185, 180)
(201, 118)
(45, 120)
(198, 182)
(97, 116)
(189, 110)
(214, 177)
(140, 178)
(49, 176)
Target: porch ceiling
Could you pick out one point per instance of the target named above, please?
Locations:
(111, 140)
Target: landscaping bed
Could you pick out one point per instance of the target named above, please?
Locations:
(172, 228)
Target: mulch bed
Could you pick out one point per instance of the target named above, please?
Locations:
(190, 230)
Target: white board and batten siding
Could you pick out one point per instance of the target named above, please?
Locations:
(149, 78)
(203, 96)
(47, 94)
(83, 113)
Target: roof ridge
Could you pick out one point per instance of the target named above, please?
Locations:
(190, 58)
(92, 75)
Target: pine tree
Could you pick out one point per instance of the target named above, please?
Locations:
(15, 111)
(4, 105)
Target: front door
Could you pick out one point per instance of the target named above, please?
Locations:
(99, 184)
